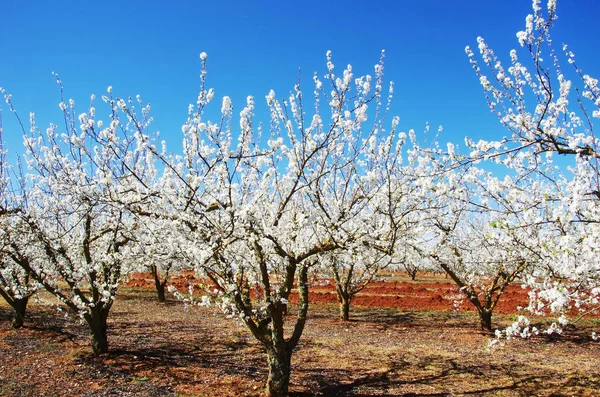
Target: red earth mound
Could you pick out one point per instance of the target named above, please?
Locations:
(402, 295)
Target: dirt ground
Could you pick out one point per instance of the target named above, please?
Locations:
(167, 350)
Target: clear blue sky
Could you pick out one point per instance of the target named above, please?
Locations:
(151, 49)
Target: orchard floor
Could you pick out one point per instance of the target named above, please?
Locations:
(166, 350)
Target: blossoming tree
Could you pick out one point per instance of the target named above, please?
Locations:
(537, 100)
(156, 248)
(16, 286)
(255, 217)
(391, 222)
(71, 230)
(486, 232)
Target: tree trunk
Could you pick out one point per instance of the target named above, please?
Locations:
(160, 285)
(160, 290)
(485, 316)
(279, 371)
(97, 322)
(345, 308)
(19, 307)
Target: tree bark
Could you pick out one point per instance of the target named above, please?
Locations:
(160, 285)
(160, 288)
(485, 316)
(278, 382)
(96, 319)
(19, 308)
(345, 308)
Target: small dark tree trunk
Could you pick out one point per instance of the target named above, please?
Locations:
(160, 285)
(160, 290)
(98, 327)
(344, 298)
(19, 308)
(411, 271)
(345, 308)
(485, 316)
(279, 371)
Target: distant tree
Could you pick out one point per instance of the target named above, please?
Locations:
(400, 202)
(156, 249)
(485, 228)
(352, 273)
(408, 256)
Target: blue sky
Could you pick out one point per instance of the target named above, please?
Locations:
(152, 48)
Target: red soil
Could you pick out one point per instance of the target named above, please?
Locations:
(407, 295)
(401, 295)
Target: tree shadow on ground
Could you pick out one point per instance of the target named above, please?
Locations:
(145, 295)
(387, 383)
(176, 351)
(390, 319)
(177, 362)
(5, 314)
(45, 320)
(387, 317)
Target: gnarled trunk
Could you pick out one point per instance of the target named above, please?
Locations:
(268, 328)
(160, 284)
(344, 301)
(485, 317)
(160, 290)
(19, 307)
(484, 312)
(96, 320)
(278, 382)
